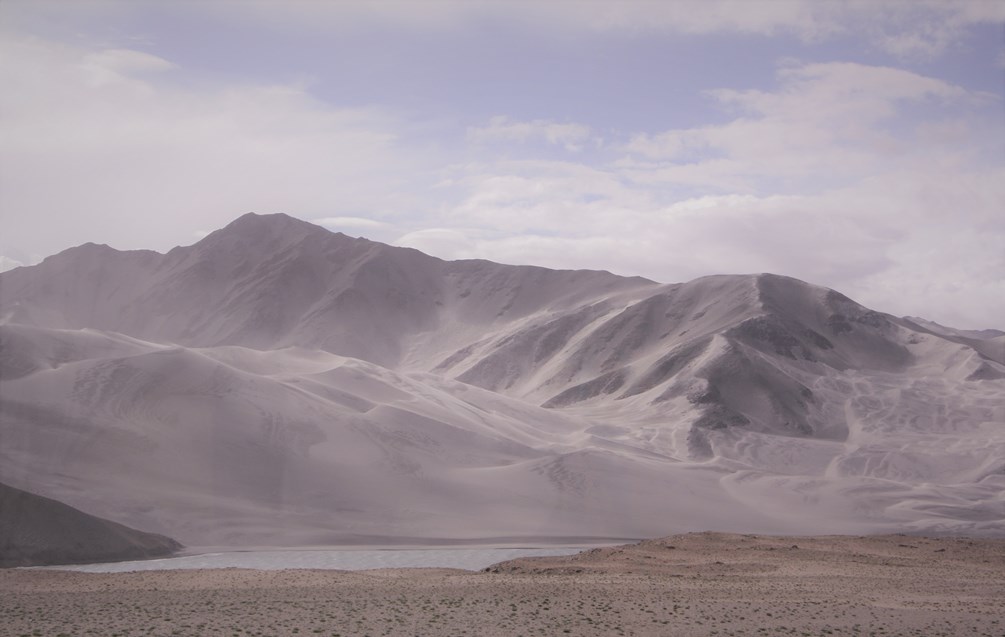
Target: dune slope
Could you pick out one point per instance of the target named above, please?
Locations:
(277, 383)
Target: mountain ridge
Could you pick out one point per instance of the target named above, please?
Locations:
(469, 398)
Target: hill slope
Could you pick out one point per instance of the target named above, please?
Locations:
(36, 530)
(277, 383)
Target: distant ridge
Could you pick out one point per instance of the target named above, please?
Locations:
(268, 281)
(278, 380)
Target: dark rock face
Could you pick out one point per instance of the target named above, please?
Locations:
(36, 531)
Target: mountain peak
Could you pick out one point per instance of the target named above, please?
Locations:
(304, 365)
(277, 222)
(265, 234)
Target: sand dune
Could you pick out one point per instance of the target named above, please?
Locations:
(279, 384)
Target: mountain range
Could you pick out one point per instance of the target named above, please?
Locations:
(280, 384)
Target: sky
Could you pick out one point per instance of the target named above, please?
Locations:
(854, 144)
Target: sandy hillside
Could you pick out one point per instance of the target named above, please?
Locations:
(700, 584)
(280, 384)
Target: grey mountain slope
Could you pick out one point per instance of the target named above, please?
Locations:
(35, 531)
(274, 281)
(989, 343)
(276, 380)
(936, 328)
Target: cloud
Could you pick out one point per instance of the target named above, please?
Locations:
(902, 28)
(892, 244)
(843, 174)
(6, 263)
(544, 197)
(571, 136)
(915, 29)
(350, 223)
(147, 159)
(446, 243)
(825, 123)
(115, 65)
(924, 29)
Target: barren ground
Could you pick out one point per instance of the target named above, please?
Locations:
(696, 584)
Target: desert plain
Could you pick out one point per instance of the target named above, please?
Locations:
(693, 584)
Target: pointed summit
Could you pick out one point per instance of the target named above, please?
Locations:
(271, 222)
(263, 231)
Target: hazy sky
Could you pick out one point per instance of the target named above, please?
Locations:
(859, 145)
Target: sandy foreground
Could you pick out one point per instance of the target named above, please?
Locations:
(696, 584)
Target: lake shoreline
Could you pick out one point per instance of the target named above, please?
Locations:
(696, 584)
(471, 558)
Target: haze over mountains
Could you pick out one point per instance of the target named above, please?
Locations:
(279, 384)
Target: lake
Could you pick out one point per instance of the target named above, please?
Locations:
(472, 559)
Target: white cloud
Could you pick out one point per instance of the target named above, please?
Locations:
(844, 175)
(115, 65)
(148, 160)
(350, 223)
(445, 243)
(895, 244)
(6, 263)
(925, 28)
(841, 88)
(953, 272)
(552, 197)
(571, 136)
(826, 123)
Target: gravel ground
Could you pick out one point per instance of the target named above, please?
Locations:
(695, 584)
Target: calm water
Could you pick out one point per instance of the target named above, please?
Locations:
(472, 559)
